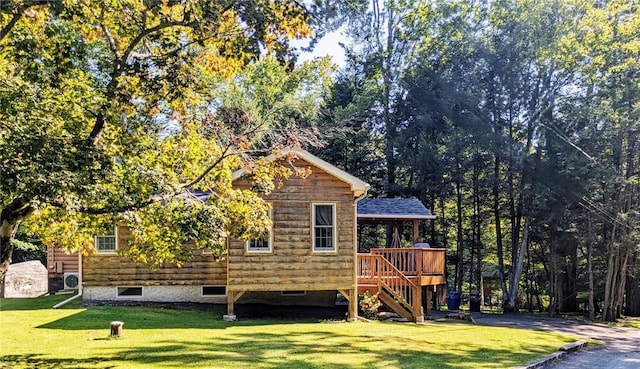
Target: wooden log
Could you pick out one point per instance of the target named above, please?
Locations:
(138, 282)
(116, 328)
(276, 266)
(331, 286)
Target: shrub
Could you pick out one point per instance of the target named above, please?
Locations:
(369, 304)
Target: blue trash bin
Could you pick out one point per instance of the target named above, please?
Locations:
(453, 300)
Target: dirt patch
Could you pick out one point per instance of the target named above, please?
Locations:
(249, 311)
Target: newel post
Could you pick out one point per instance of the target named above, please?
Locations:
(417, 304)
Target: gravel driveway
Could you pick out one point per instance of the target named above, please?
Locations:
(621, 349)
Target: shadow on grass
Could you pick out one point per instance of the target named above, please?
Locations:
(291, 350)
(138, 317)
(99, 317)
(41, 362)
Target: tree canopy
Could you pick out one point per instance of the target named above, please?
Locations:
(118, 112)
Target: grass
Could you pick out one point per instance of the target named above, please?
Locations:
(34, 336)
(631, 322)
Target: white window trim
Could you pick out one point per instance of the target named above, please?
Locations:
(115, 242)
(212, 285)
(141, 295)
(270, 239)
(335, 227)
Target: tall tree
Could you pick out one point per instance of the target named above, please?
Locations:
(115, 111)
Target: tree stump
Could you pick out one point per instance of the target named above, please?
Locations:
(116, 328)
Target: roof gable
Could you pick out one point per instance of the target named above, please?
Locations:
(358, 186)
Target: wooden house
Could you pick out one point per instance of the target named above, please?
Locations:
(308, 258)
(62, 269)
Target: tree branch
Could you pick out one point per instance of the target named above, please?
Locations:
(113, 46)
(225, 154)
(9, 6)
(6, 29)
(120, 62)
(16, 210)
(115, 209)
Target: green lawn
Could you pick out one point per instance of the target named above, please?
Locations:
(34, 336)
(630, 322)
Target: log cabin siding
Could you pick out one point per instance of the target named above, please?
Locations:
(115, 270)
(60, 262)
(292, 264)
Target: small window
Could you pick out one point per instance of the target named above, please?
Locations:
(214, 290)
(106, 243)
(129, 291)
(293, 293)
(262, 244)
(324, 227)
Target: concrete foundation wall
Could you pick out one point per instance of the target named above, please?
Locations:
(194, 294)
(153, 294)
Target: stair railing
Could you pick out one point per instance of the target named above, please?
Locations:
(376, 269)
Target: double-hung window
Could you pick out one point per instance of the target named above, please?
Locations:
(106, 243)
(263, 243)
(324, 227)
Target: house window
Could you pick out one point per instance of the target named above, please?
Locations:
(293, 293)
(324, 227)
(261, 244)
(106, 243)
(214, 291)
(129, 291)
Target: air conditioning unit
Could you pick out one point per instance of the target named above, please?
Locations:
(71, 281)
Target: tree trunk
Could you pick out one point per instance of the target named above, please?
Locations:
(632, 306)
(477, 279)
(517, 269)
(7, 230)
(607, 310)
(622, 281)
(590, 271)
(496, 216)
(570, 302)
(460, 251)
(10, 217)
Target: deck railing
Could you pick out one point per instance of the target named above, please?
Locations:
(414, 261)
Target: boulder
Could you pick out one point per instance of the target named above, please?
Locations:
(27, 279)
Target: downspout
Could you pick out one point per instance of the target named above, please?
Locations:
(79, 294)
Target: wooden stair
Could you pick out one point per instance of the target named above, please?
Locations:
(395, 305)
(395, 290)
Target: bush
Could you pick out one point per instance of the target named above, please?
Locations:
(369, 304)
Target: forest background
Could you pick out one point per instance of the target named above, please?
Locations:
(517, 123)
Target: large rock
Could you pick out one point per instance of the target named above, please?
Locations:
(27, 279)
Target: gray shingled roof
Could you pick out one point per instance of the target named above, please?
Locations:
(393, 209)
(195, 195)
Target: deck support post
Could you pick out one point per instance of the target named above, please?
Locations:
(353, 304)
(428, 301)
(230, 315)
(417, 304)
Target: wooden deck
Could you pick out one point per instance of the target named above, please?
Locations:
(399, 275)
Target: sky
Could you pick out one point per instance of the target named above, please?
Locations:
(328, 45)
